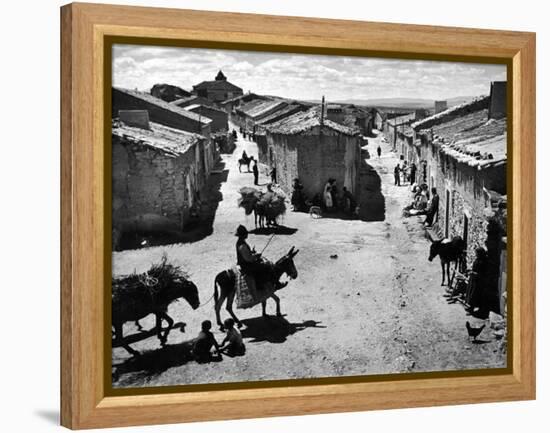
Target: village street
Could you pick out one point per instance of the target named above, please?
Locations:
(366, 300)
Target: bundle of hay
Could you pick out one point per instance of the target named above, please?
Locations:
(131, 292)
(272, 204)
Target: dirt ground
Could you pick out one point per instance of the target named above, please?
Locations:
(376, 308)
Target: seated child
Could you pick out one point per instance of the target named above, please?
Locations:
(234, 340)
(204, 342)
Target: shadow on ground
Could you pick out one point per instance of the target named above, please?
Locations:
(195, 230)
(372, 204)
(277, 230)
(143, 335)
(274, 329)
(152, 363)
(51, 416)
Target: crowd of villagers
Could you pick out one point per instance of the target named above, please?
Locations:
(330, 200)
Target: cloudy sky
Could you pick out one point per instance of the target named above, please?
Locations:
(302, 76)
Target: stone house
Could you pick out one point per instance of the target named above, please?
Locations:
(159, 111)
(379, 119)
(466, 161)
(260, 136)
(335, 112)
(217, 90)
(396, 127)
(359, 118)
(166, 114)
(231, 104)
(254, 111)
(218, 117)
(157, 173)
(313, 149)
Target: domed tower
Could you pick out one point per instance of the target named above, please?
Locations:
(220, 76)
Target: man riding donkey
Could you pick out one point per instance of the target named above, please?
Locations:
(258, 273)
(253, 281)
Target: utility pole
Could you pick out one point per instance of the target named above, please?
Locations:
(323, 110)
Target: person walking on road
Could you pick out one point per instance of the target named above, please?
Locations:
(255, 171)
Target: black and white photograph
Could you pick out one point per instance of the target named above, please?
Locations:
(281, 216)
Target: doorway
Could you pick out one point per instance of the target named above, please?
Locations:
(447, 211)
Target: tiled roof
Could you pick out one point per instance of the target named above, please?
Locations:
(305, 121)
(246, 97)
(216, 85)
(281, 113)
(475, 104)
(400, 120)
(171, 141)
(167, 106)
(264, 108)
(473, 138)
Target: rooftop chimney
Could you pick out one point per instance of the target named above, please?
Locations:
(136, 118)
(440, 106)
(498, 100)
(323, 111)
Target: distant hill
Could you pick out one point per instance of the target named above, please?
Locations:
(405, 103)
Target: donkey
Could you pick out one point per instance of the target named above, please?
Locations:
(136, 305)
(244, 161)
(253, 204)
(448, 251)
(226, 280)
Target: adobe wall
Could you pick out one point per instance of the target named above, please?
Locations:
(151, 190)
(465, 185)
(219, 118)
(315, 158)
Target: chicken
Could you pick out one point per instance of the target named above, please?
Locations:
(474, 332)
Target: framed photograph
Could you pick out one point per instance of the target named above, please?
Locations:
(265, 215)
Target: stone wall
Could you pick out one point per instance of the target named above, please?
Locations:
(314, 158)
(261, 140)
(467, 201)
(152, 190)
(218, 117)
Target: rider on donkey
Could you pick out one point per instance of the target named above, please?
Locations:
(251, 263)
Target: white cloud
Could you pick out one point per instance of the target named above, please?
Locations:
(302, 76)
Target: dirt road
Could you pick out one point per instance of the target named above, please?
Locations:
(376, 308)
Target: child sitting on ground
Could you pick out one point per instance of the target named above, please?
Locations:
(234, 340)
(204, 342)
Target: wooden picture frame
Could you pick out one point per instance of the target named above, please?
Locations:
(85, 209)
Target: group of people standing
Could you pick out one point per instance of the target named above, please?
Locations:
(332, 201)
(404, 171)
